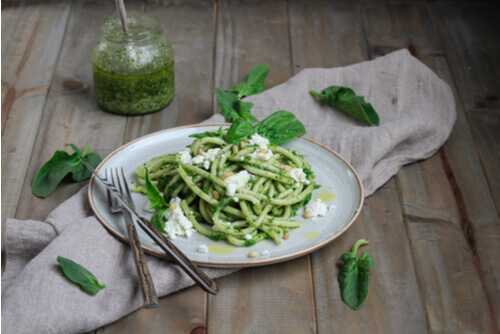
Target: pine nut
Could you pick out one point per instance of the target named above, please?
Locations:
(287, 168)
(253, 254)
(200, 151)
(225, 175)
(172, 206)
(243, 144)
(307, 214)
(235, 149)
(215, 194)
(286, 236)
(263, 151)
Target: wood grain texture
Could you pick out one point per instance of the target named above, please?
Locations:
(469, 33)
(334, 31)
(446, 198)
(31, 40)
(71, 115)
(278, 298)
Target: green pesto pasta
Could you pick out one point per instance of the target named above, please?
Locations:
(242, 193)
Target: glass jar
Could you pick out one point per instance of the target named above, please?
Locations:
(133, 73)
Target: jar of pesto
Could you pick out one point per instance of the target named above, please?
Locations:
(134, 72)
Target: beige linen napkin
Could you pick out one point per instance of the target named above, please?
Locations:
(417, 113)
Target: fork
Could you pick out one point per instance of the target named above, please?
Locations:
(145, 279)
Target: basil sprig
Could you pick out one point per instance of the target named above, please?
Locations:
(354, 277)
(62, 164)
(253, 83)
(279, 127)
(344, 98)
(158, 203)
(79, 275)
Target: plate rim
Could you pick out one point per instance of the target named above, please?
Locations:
(223, 264)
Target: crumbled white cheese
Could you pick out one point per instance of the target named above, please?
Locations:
(205, 158)
(202, 249)
(316, 208)
(258, 140)
(299, 176)
(265, 252)
(185, 156)
(237, 181)
(248, 236)
(262, 156)
(177, 223)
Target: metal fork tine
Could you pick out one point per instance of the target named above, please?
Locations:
(127, 193)
(119, 182)
(108, 193)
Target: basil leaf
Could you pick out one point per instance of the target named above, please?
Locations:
(157, 220)
(280, 127)
(154, 195)
(60, 165)
(240, 129)
(206, 134)
(232, 108)
(354, 278)
(253, 83)
(344, 98)
(79, 275)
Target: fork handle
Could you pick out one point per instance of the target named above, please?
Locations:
(145, 280)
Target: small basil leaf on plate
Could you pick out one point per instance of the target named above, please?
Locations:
(253, 83)
(154, 195)
(354, 278)
(239, 130)
(157, 220)
(206, 134)
(346, 99)
(60, 165)
(280, 127)
(79, 275)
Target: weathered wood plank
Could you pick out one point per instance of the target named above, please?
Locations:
(181, 312)
(446, 198)
(71, 115)
(31, 40)
(278, 298)
(328, 34)
(469, 33)
(189, 25)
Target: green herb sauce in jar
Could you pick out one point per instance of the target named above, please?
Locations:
(134, 73)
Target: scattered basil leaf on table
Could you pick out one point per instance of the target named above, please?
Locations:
(344, 98)
(62, 164)
(280, 127)
(354, 277)
(240, 129)
(79, 275)
(253, 83)
(154, 195)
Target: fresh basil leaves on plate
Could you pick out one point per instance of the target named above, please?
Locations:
(279, 127)
(354, 277)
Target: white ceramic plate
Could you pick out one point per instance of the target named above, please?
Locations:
(332, 172)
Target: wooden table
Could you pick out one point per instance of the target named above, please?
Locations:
(434, 228)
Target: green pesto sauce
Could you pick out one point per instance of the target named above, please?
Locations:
(325, 196)
(221, 250)
(134, 94)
